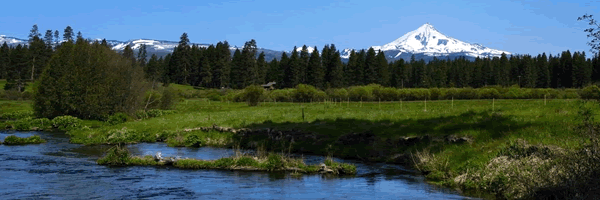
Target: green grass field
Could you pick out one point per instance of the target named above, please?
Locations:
(377, 131)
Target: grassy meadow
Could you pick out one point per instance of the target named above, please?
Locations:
(495, 146)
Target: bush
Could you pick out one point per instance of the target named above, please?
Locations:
(414, 94)
(488, 93)
(141, 114)
(14, 140)
(385, 94)
(282, 95)
(169, 98)
(113, 85)
(306, 93)
(253, 94)
(12, 95)
(115, 156)
(117, 118)
(358, 93)
(590, 92)
(192, 141)
(337, 93)
(16, 115)
(66, 122)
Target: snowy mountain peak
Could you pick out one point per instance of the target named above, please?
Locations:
(11, 40)
(429, 41)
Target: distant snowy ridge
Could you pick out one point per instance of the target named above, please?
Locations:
(11, 40)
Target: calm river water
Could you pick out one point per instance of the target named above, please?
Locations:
(60, 170)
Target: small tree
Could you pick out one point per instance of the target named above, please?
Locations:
(253, 94)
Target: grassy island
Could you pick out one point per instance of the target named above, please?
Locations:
(14, 140)
(117, 156)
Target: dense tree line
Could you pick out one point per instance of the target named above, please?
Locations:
(215, 67)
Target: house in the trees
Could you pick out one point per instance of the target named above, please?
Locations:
(269, 86)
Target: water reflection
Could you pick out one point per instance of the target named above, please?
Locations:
(61, 170)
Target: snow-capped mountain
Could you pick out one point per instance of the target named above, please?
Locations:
(424, 43)
(151, 45)
(11, 40)
(427, 41)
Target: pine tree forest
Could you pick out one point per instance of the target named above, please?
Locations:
(215, 67)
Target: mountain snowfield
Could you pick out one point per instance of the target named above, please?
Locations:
(428, 41)
(424, 43)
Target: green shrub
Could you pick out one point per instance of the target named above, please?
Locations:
(115, 156)
(117, 118)
(418, 94)
(246, 161)
(467, 93)
(306, 93)
(337, 93)
(358, 93)
(274, 161)
(253, 94)
(224, 162)
(66, 122)
(152, 99)
(192, 141)
(141, 114)
(168, 99)
(16, 115)
(42, 123)
(488, 93)
(14, 140)
(23, 124)
(385, 94)
(436, 94)
(590, 92)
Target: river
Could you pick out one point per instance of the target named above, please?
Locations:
(60, 170)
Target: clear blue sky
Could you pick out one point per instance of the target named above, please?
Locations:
(520, 27)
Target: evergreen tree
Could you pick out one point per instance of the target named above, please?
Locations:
(205, 72)
(4, 60)
(581, 70)
(371, 69)
(596, 68)
(315, 70)
(556, 71)
(262, 67)
(292, 72)
(237, 72)
(275, 73)
(337, 71)
(351, 74)
(16, 72)
(48, 38)
(68, 34)
(566, 70)
(303, 65)
(38, 56)
(383, 69)
(153, 69)
(34, 33)
(56, 38)
(141, 56)
(503, 71)
(531, 72)
(222, 65)
(79, 35)
(248, 62)
(543, 76)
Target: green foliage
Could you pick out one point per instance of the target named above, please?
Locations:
(16, 115)
(192, 141)
(307, 93)
(117, 118)
(88, 81)
(358, 93)
(66, 122)
(246, 161)
(274, 162)
(122, 136)
(590, 92)
(14, 140)
(253, 94)
(116, 156)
